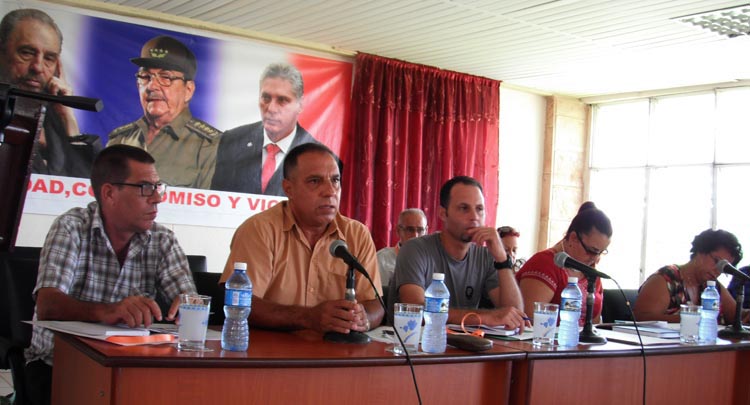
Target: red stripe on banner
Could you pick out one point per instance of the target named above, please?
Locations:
(325, 111)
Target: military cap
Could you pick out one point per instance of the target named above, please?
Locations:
(164, 52)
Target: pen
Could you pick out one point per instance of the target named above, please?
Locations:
(526, 318)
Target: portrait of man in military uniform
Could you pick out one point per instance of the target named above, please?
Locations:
(184, 147)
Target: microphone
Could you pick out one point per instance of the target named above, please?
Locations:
(339, 249)
(725, 267)
(562, 259)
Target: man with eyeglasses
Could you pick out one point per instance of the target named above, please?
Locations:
(108, 262)
(412, 223)
(184, 147)
(586, 240)
(468, 253)
(250, 157)
(30, 49)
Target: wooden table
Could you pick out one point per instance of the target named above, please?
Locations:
(301, 368)
(613, 374)
(283, 368)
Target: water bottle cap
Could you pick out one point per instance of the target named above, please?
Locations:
(438, 276)
(711, 283)
(572, 280)
(240, 266)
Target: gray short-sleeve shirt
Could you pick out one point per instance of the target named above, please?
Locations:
(468, 280)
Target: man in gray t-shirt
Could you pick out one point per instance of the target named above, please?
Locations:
(417, 261)
(468, 253)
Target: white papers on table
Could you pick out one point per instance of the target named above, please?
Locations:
(384, 334)
(633, 339)
(489, 331)
(91, 330)
(658, 330)
(116, 334)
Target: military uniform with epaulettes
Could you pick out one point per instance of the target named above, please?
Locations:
(184, 150)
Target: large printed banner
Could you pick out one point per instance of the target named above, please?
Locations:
(96, 62)
(190, 206)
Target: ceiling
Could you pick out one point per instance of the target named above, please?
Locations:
(580, 48)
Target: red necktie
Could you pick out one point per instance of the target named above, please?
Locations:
(270, 164)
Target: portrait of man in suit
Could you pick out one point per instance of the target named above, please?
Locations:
(250, 157)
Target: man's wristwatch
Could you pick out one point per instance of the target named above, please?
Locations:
(508, 264)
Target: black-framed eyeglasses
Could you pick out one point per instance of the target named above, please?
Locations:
(147, 189)
(718, 259)
(419, 230)
(163, 79)
(589, 250)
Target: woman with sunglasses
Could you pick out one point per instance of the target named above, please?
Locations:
(587, 238)
(661, 295)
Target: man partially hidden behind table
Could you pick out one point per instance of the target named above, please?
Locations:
(297, 284)
(470, 255)
(412, 223)
(108, 262)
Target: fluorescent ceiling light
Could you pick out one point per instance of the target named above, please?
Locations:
(730, 22)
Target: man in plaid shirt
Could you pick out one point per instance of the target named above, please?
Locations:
(108, 262)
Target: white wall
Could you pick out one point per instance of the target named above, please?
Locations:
(522, 122)
(521, 135)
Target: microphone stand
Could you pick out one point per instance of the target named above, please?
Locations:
(736, 331)
(9, 92)
(353, 337)
(589, 333)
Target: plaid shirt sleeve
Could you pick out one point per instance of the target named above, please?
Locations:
(174, 275)
(59, 256)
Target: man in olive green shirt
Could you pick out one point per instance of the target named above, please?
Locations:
(184, 147)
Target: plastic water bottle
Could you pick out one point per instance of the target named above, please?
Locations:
(710, 302)
(570, 312)
(436, 300)
(238, 294)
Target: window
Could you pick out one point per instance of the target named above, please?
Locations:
(666, 168)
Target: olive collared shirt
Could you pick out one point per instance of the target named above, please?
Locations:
(184, 150)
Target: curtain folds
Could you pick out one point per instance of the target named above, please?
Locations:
(414, 127)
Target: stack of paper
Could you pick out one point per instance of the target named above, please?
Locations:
(121, 335)
(664, 332)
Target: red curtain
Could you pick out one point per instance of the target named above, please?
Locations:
(414, 127)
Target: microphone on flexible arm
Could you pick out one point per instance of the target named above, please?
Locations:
(735, 331)
(589, 333)
(562, 259)
(725, 267)
(339, 249)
